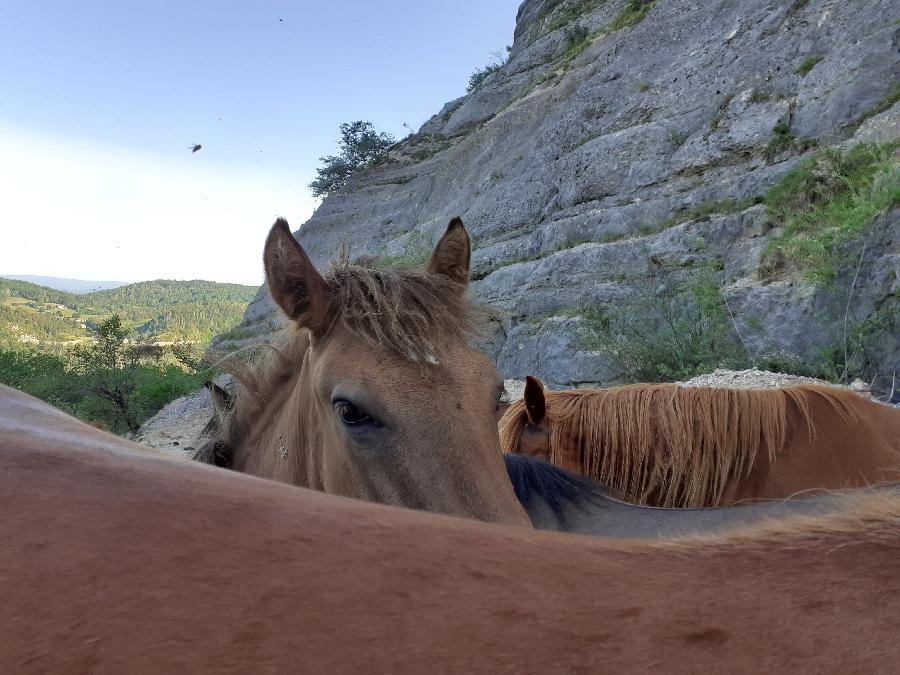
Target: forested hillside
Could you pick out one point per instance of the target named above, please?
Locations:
(113, 357)
(155, 311)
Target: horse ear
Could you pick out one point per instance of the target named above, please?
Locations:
(294, 283)
(222, 400)
(452, 254)
(535, 404)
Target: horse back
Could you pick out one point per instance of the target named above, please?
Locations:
(835, 440)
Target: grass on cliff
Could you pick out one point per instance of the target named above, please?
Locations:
(807, 65)
(667, 332)
(824, 203)
(571, 12)
(578, 38)
(414, 253)
(888, 102)
(632, 13)
(679, 328)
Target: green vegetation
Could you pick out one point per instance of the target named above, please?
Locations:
(684, 328)
(676, 138)
(701, 212)
(415, 252)
(759, 96)
(578, 39)
(236, 333)
(885, 104)
(360, 146)
(478, 76)
(807, 65)
(667, 334)
(112, 380)
(723, 106)
(632, 13)
(783, 141)
(572, 11)
(431, 144)
(160, 311)
(827, 201)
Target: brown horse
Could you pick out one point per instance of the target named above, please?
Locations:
(373, 393)
(666, 445)
(116, 559)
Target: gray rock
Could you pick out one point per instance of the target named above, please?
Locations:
(570, 174)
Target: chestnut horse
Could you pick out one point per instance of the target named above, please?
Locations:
(373, 392)
(667, 445)
(117, 559)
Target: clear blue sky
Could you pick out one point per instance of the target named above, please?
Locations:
(99, 102)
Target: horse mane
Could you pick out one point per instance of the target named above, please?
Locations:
(531, 478)
(678, 445)
(408, 311)
(869, 516)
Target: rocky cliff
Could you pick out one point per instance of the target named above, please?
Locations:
(626, 149)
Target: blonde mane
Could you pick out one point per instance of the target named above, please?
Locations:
(678, 445)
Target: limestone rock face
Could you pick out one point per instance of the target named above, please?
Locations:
(571, 164)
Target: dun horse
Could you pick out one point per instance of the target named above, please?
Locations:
(666, 445)
(116, 559)
(374, 392)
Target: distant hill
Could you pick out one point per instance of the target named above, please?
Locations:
(62, 284)
(157, 311)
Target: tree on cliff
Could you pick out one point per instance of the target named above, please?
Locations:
(360, 146)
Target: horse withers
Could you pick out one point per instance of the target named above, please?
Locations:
(564, 502)
(668, 445)
(115, 558)
(373, 392)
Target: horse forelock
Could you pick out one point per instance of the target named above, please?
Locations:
(677, 445)
(411, 312)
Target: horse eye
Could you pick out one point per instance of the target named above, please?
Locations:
(350, 414)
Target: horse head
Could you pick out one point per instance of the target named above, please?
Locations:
(374, 392)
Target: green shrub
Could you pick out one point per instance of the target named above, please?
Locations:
(702, 212)
(632, 13)
(575, 36)
(717, 117)
(119, 400)
(667, 333)
(781, 141)
(572, 11)
(360, 146)
(886, 103)
(827, 201)
(415, 252)
(759, 96)
(676, 138)
(807, 65)
(478, 76)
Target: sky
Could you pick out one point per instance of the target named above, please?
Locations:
(100, 102)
